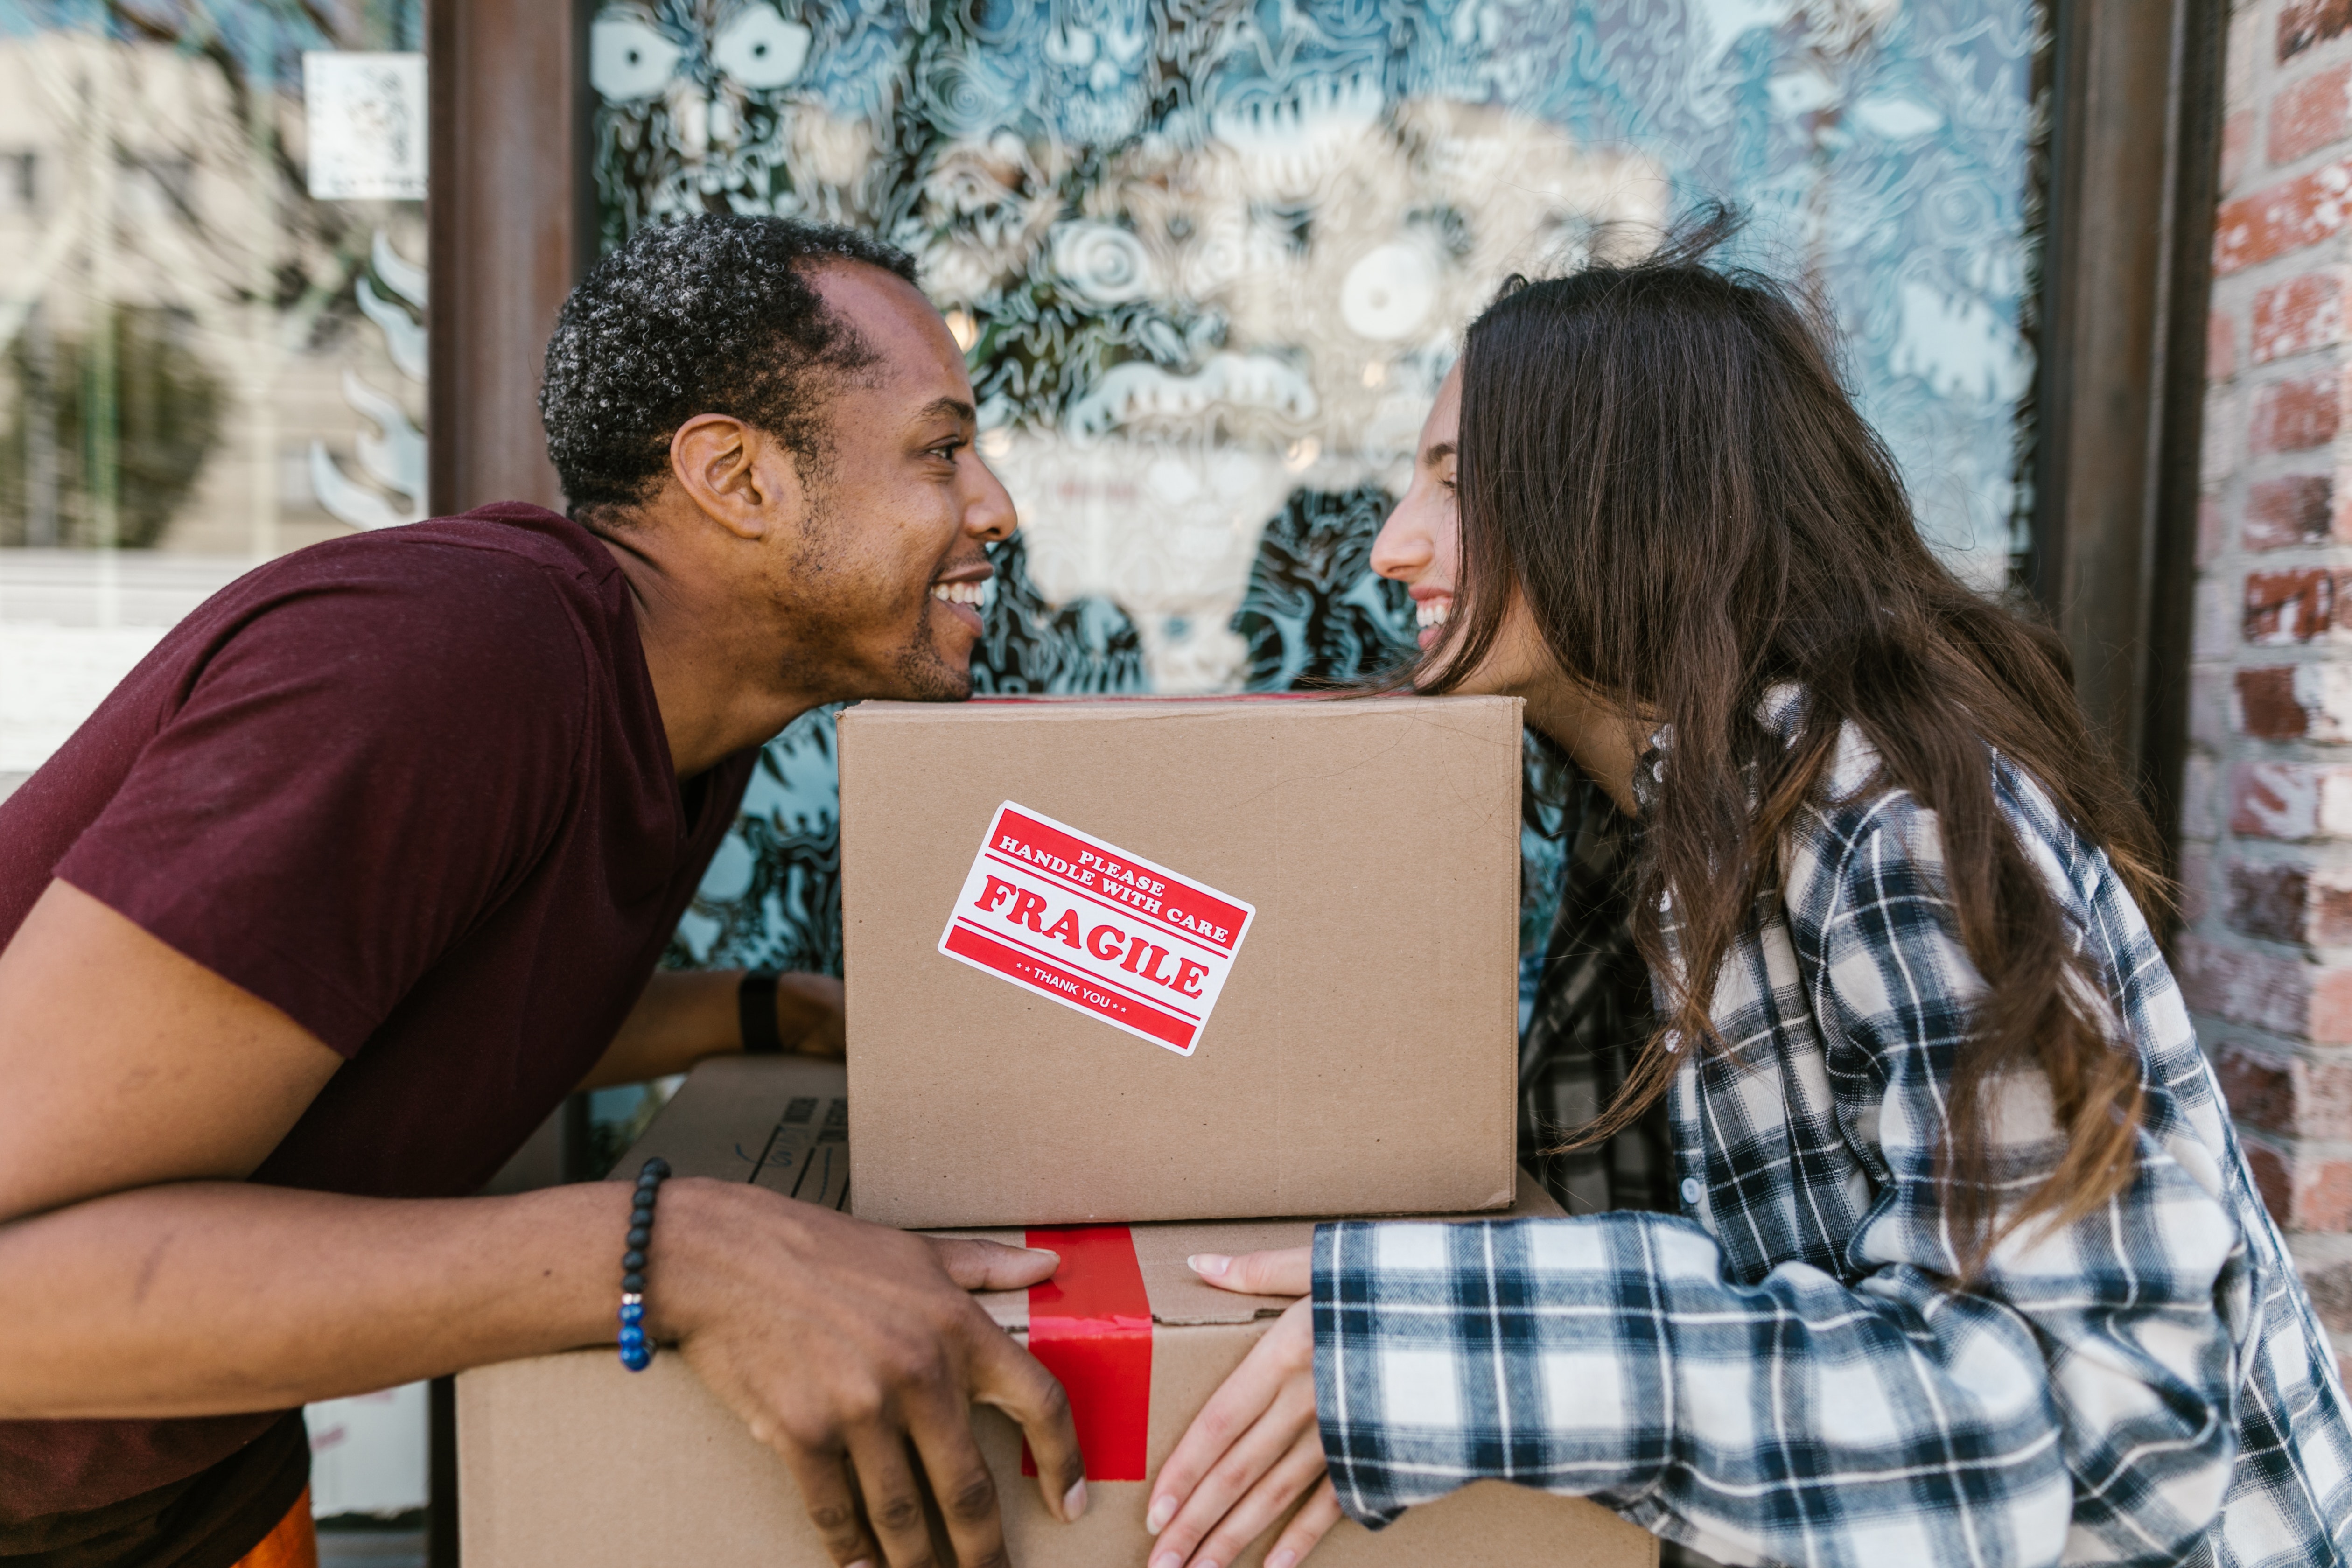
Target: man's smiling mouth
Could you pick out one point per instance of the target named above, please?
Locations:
(965, 597)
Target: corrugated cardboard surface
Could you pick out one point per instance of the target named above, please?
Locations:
(569, 1461)
(1362, 1057)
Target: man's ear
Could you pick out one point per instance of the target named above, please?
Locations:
(740, 476)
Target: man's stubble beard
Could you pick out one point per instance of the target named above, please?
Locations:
(921, 672)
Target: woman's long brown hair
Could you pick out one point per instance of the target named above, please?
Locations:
(1661, 458)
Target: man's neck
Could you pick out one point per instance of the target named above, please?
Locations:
(696, 656)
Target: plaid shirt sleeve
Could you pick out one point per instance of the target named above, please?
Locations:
(2076, 1402)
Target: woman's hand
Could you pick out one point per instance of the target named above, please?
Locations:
(1255, 1446)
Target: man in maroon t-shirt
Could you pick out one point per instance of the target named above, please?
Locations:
(368, 865)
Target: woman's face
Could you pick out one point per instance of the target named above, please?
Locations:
(1421, 546)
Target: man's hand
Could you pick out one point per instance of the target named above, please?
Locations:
(856, 1352)
(687, 1014)
(809, 1019)
(1255, 1447)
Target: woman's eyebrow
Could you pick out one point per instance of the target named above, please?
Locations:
(1438, 452)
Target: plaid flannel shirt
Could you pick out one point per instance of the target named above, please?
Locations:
(1591, 1017)
(1783, 1372)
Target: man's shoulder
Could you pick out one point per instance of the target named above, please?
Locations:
(506, 541)
(453, 610)
(498, 574)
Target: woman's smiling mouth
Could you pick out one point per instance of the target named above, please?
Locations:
(1429, 616)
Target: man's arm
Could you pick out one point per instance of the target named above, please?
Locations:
(141, 1277)
(687, 1014)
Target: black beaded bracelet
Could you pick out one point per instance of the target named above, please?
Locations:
(636, 1350)
(755, 1012)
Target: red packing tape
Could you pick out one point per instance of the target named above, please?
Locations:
(1091, 1325)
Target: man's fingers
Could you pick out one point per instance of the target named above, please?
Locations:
(960, 1483)
(894, 1503)
(831, 1503)
(991, 1265)
(1291, 1476)
(1288, 1272)
(1010, 1378)
(1310, 1525)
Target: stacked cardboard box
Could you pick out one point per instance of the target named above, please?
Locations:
(1148, 970)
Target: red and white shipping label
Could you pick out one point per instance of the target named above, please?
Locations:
(1087, 924)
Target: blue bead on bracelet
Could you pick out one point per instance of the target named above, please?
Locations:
(636, 1350)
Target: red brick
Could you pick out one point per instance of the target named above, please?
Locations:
(2303, 1191)
(2329, 1020)
(2323, 1194)
(2328, 912)
(2295, 1098)
(2298, 509)
(2303, 23)
(2244, 986)
(2282, 218)
(2296, 415)
(2267, 709)
(2322, 1100)
(2270, 1179)
(2220, 347)
(2261, 1092)
(2330, 1288)
(2290, 801)
(2299, 314)
(2269, 901)
(2237, 135)
(2289, 607)
(2309, 114)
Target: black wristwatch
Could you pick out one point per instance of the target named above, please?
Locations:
(755, 1010)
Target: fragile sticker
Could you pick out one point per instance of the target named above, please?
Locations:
(1085, 923)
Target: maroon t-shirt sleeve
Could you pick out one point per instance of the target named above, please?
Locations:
(351, 778)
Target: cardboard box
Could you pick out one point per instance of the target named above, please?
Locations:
(1153, 960)
(568, 1461)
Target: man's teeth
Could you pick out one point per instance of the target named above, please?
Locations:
(972, 593)
(1430, 612)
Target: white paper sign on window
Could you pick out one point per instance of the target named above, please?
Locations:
(366, 125)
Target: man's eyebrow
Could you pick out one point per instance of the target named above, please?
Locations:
(948, 408)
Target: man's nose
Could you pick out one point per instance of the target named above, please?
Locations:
(990, 515)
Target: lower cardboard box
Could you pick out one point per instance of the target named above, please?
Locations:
(569, 1459)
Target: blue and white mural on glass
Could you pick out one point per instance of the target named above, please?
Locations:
(1209, 260)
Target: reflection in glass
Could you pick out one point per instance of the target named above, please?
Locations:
(202, 363)
(1209, 261)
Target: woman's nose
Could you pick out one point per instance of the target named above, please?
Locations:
(1402, 549)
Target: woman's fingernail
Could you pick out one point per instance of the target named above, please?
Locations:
(1211, 1264)
(1044, 1252)
(1073, 1502)
(1282, 1559)
(1168, 1560)
(1164, 1509)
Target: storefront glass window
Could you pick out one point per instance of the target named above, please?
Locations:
(1210, 260)
(212, 295)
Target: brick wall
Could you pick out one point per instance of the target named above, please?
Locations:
(2266, 958)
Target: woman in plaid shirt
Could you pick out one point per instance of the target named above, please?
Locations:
(1969, 1269)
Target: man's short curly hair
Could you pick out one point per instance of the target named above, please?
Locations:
(710, 315)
